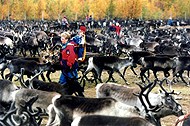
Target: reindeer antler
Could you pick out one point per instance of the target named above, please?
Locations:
(143, 94)
(30, 80)
(161, 86)
(21, 78)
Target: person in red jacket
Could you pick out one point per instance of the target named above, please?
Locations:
(117, 29)
(68, 58)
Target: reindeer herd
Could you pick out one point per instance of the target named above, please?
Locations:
(30, 49)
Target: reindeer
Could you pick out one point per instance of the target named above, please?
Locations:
(6, 59)
(109, 63)
(6, 87)
(10, 93)
(126, 95)
(182, 64)
(156, 63)
(15, 66)
(43, 101)
(7, 107)
(97, 120)
(72, 87)
(149, 46)
(136, 56)
(67, 108)
(28, 117)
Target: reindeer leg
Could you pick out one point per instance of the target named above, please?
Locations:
(154, 72)
(43, 78)
(180, 75)
(10, 76)
(110, 76)
(48, 75)
(83, 79)
(167, 74)
(89, 68)
(87, 79)
(2, 72)
(84, 76)
(23, 52)
(84, 83)
(52, 115)
(148, 73)
(132, 68)
(124, 71)
(7, 76)
(95, 74)
(31, 54)
(169, 83)
(99, 72)
(38, 52)
(142, 74)
(122, 76)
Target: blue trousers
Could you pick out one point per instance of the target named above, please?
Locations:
(80, 52)
(70, 74)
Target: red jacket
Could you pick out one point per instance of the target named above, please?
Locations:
(118, 29)
(83, 28)
(68, 55)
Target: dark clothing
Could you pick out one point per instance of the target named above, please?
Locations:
(170, 22)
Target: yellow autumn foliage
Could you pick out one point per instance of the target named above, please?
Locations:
(99, 9)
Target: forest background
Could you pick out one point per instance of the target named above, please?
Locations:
(99, 9)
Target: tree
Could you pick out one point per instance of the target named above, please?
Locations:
(134, 9)
(110, 10)
(78, 9)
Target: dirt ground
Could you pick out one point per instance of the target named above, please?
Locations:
(132, 79)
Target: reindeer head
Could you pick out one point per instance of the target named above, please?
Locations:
(29, 82)
(170, 105)
(50, 56)
(158, 105)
